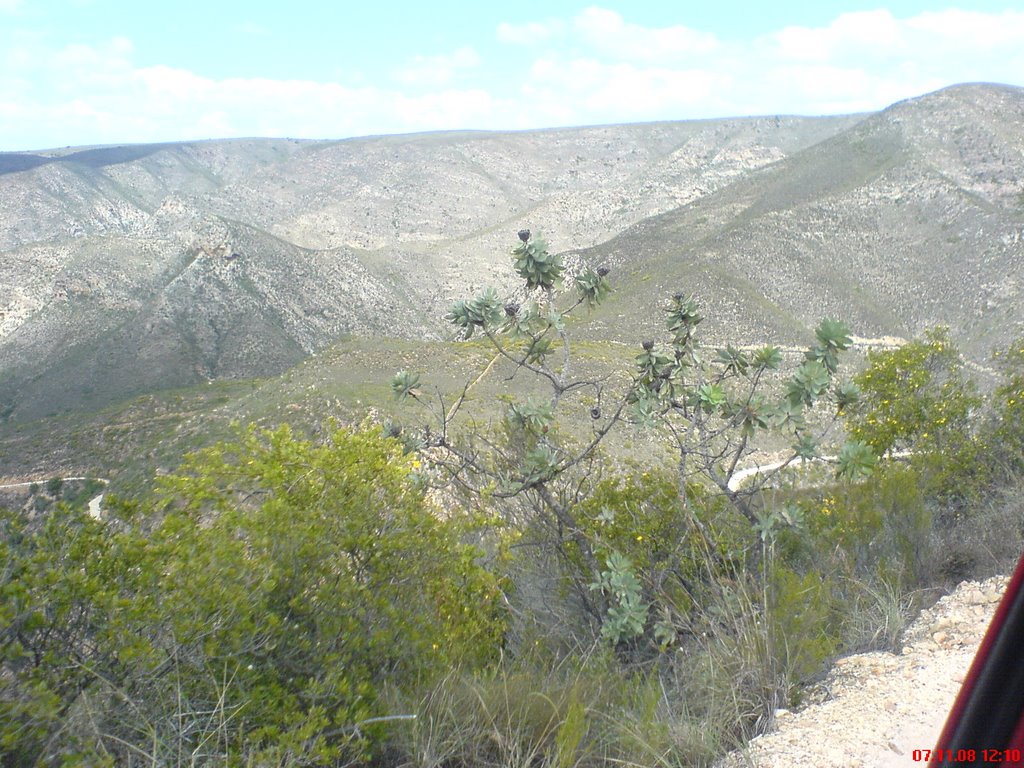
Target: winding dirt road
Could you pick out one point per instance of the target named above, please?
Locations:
(95, 503)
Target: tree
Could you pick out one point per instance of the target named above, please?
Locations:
(913, 397)
(1008, 433)
(916, 399)
(54, 486)
(714, 410)
(284, 586)
(53, 604)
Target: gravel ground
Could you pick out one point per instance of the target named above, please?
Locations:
(880, 707)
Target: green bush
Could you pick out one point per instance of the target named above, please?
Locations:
(673, 545)
(917, 399)
(1007, 437)
(284, 586)
(880, 522)
(53, 605)
(914, 397)
(320, 575)
(802, 618)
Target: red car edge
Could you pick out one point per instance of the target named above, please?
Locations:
(985, 727)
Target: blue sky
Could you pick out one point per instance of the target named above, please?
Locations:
(108, 71)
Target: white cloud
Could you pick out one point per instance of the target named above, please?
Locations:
(859, 62)
(531, 32)
(438, 70)
(611, 35)
(858, 34)
(170, 93)
(870, 38)
(646, 93)
(622, 89)
(597, 67)
(94, 95)
(865, 60)
(87, 67)
(9, 6)
(971, 29)
(450, 109)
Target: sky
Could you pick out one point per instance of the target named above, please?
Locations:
(85, 72)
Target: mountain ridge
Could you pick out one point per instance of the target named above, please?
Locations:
(167, 265)
(859, 226)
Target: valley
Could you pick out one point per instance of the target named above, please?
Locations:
(240, 266)
(614, 583)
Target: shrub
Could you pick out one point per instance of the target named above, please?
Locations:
(317, 573)
(913, 397)
(54, 605)
(285, 584)
(803, 630)
(1007, 437)
(712, 409)
(917, 399)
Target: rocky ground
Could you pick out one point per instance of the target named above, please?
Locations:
(875, 709)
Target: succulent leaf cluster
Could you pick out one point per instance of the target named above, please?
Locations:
(483, 311)
(535, 265)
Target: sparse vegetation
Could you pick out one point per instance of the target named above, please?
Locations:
(288, 601)
(256, 615)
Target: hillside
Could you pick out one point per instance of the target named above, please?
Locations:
(910, 219)
(127, 269)
(132, 270)
(879, 710)
(638, 553)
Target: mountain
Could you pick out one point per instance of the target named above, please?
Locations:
(912, 218)
(290, 279)
(130, 269)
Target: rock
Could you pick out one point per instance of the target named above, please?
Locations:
(883, 706)
(975, 597)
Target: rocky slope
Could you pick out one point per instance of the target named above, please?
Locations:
(910, 219)
(129, 269)
(875, 709)
(126, 269)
